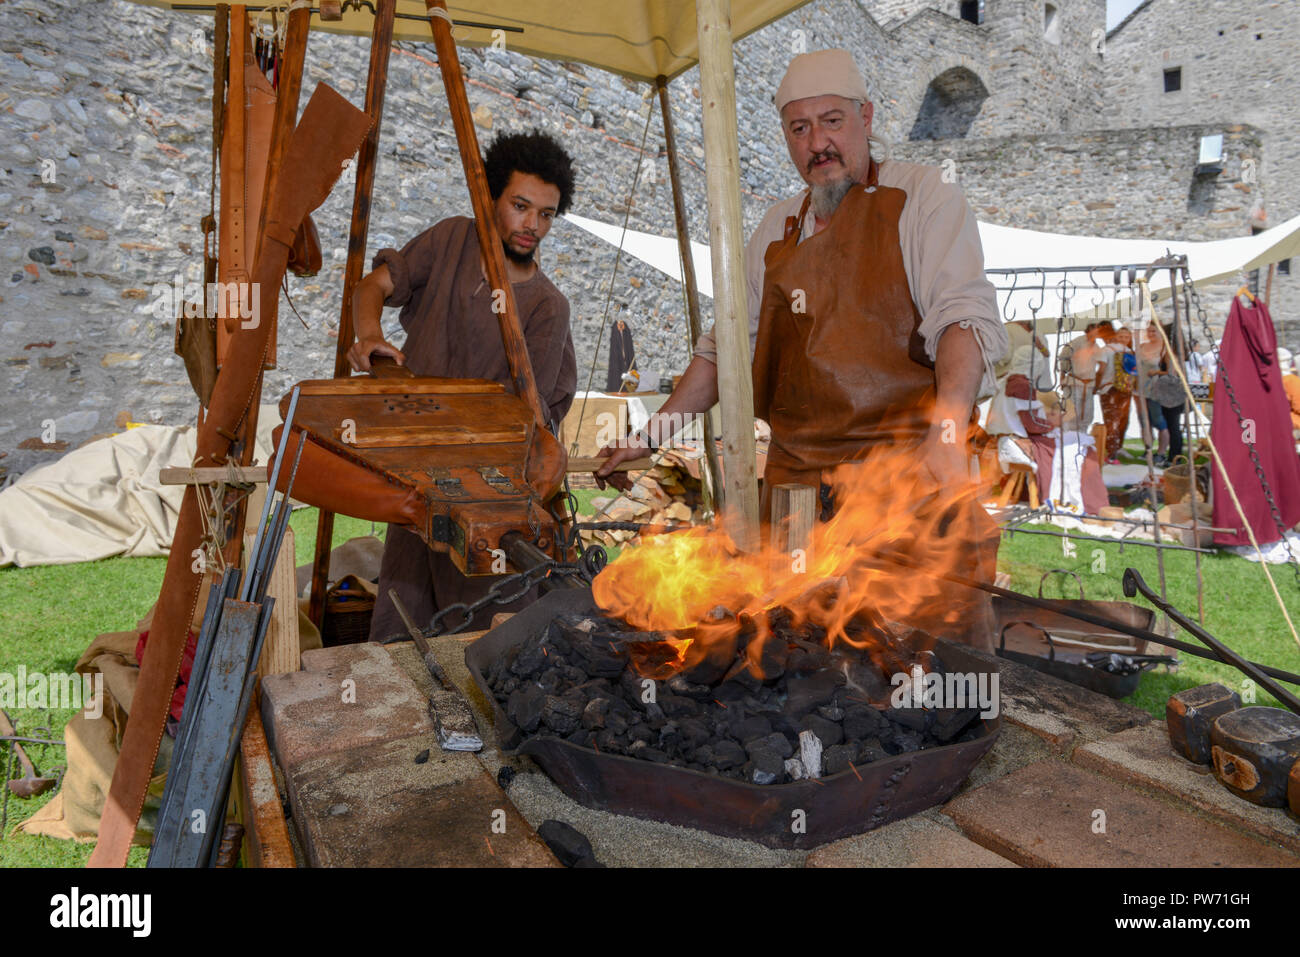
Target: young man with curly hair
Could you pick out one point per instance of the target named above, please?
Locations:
(439, 281)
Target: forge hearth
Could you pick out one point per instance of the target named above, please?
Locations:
(731, 753)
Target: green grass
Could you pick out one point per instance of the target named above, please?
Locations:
(52, 613)
(1240, 608)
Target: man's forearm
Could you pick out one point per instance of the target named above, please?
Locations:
(958, 371)
(367, 310)
(696, 392)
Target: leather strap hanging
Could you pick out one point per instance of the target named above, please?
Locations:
(196, 336)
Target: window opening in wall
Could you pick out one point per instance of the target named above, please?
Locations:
(1051, 23)
(1284, 267)
(972, 11)
(1174, 80)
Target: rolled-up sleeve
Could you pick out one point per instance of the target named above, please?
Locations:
(771, 228)
(945, 263)
(550, 350)
(409, 267)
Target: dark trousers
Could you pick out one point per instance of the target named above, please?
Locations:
(1167, 417)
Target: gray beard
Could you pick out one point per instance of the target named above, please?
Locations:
(826, 199)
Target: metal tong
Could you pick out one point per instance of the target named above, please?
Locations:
(1133, 584)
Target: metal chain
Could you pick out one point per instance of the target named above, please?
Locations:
(1222, 374)
(592, 560)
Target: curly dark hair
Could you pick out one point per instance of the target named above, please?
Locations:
(536, 153)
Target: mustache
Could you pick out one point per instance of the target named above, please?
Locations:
(829, 153)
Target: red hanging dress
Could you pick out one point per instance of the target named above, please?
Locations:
(1248, 359)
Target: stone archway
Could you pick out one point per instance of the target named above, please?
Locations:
(950, 105)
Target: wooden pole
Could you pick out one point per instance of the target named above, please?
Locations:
(731, 311)
(489, 240)
(381, 43)
(1182, 346)
(688, 278)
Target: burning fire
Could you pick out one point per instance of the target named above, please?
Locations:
(698, 587)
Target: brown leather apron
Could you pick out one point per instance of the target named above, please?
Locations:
(840, 367)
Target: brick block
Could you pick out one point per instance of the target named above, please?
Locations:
(348, 696)
(375, 806)
(1044, 815)
(1143, 757)
(913, 842)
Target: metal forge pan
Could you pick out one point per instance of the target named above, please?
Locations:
(838, 806)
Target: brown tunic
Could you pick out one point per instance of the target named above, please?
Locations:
(452, 331)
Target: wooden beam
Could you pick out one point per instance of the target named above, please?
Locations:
(712, 488)
(266, 837)
(381, 42)
(595, 462)
(212, 473)
(489, 240)
(793, 513)
(731, 311)
(281, 649)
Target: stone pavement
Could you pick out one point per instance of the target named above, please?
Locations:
(1075, 779)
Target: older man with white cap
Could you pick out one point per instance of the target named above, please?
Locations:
(871, 320)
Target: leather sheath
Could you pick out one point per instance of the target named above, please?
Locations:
(840, 367)
(330, 131)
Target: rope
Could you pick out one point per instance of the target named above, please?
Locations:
(609, 295)
(1227, 480)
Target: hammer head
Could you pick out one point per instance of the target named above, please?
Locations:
(30, 787)
(1190, 714)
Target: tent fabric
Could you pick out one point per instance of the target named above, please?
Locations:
(1008, 248)
(104, 499)
(640, 40)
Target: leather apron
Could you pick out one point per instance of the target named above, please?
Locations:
(840, 369)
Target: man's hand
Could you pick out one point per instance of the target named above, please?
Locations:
(632, 447)
(361, 351)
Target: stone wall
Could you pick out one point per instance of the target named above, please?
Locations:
(1085, 183)
(104, 173)
(1238, 65)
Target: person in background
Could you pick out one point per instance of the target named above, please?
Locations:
(1117, 400)
(1164, 396)
(1290, 383)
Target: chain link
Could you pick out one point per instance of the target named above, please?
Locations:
(591, 561)
(1222, 375)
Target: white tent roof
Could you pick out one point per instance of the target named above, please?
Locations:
(1061, 259)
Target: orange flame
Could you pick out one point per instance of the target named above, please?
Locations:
(887, 505)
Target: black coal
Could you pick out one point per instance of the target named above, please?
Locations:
(584, 680)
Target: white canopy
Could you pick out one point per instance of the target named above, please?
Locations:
(1074, 272)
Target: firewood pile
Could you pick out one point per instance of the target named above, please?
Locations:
(670, 493)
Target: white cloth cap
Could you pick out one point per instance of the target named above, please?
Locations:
(821, 73)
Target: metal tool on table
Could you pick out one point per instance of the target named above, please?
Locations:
(29, 785)
(1133, 584)
(448, 708)
(1104, 621)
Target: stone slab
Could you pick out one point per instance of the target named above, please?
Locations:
(375, 806)
(919, 841)
(1044, 815)
(1143, 757)
(1064, 715)
(345, 697)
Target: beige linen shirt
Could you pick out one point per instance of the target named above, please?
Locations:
(942, 257)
